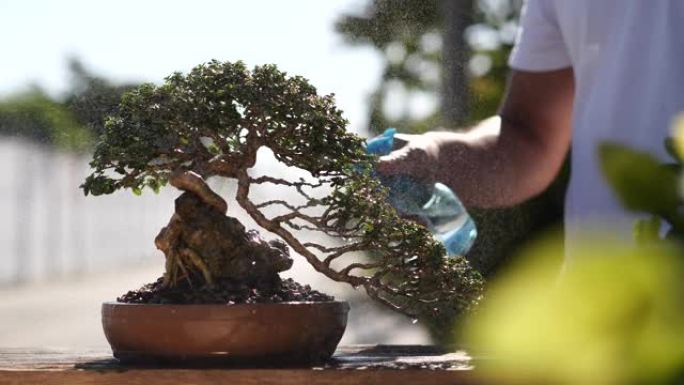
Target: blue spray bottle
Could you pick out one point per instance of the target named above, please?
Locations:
(436, 205)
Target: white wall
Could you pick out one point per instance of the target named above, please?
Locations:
(49, 229)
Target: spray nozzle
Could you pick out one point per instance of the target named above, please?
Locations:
(382, 144)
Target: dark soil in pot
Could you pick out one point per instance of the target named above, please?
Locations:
(225, 291)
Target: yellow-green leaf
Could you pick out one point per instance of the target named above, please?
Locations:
(678, 134)
(639, 179)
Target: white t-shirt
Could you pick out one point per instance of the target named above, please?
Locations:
(628, 61)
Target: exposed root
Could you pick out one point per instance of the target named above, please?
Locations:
(167, 239)
(186, 274)
(199, 263)
(194, 183)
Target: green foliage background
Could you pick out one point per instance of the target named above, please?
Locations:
(389, 24)
(71, 121)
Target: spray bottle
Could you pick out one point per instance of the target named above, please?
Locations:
(435, 205)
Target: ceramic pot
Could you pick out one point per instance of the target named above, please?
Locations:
(278, 333)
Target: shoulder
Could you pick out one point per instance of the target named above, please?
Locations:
(539, 44)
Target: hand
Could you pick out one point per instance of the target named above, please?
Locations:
(417, 156)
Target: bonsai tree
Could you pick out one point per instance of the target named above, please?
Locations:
(211, 122)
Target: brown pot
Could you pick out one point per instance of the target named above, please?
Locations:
(278, 333)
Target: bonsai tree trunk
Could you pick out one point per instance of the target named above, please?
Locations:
(200, 241)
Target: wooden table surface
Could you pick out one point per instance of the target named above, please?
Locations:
(351, 365)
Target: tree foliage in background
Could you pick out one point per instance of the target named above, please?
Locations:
(71, 121)
(36, 116)
(92, 98)
(410, 34)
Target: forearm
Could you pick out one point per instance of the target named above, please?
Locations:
(495, 163)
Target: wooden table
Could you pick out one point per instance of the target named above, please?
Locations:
(351, 365)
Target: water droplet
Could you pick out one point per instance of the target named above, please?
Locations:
(414, 321)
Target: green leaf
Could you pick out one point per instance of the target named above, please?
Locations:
(647, 231)
(136, 190)
(213, 149)
(671, 148)
(678, 135)
(98, 185)
(639, 179)
(154, 185)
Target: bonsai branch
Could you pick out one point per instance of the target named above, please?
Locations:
(243, 200)
(336, 253)
(300, 183)
(364, 266)
(330, 231)
(296, 215)
(373, 285)
(288, 205)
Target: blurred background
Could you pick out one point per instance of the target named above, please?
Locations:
(410, 64)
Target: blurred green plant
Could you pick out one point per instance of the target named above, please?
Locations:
(614, 316)
(35, 115)
(91, 97)
(645, 184)
(70, 122)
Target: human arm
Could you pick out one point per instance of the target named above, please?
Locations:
(503, 160)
